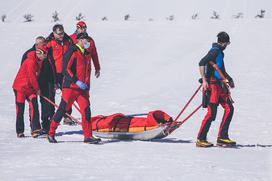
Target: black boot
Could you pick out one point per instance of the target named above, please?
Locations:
(51, 139)
(92, 140)
(36, 133)
(20, 135)
(69, 121)
(45, 126)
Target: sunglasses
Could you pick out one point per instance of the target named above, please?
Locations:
(60, 33)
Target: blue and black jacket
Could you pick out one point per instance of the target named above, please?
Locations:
(215, 55)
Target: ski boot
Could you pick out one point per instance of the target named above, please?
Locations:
(203, 143)
(225, 142)
(43, 132)
(92, 140)
(20, 135)
(51, 139)
(69, 121)
(35, 133)
(98, 139)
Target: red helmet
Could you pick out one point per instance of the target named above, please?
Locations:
(81, 24)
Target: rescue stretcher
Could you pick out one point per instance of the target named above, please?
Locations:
(119, 126)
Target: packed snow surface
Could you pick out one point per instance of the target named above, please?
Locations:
(146, 65)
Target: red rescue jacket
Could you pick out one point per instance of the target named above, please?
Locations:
(91, 51)
(26, 80)
(56, 50)
(47, 73)
(76, 67)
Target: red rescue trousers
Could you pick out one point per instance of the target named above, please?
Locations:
(217, 96)
(33, 111)
(69, 96)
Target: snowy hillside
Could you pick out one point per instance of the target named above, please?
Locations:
(140, 10)
(146, 66)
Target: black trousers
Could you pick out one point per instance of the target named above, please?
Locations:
(47, 109)
(59, 79)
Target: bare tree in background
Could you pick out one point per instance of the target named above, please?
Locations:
(28, 17)
(55, 16)
(215, 15)
(79, 17)
(195, 16)
(126, 17)
(261, 15)
(3, 18)
(170, 18)
(238, 16)
(104, 18)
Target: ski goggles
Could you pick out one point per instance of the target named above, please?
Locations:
(82, 27)
(40, 52)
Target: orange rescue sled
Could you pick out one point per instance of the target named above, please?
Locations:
(120, 126)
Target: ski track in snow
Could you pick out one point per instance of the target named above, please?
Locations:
(147, 66)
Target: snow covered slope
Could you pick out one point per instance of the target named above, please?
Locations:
(142, 10)
(146, 66)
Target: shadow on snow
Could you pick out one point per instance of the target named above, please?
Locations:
(165, 140)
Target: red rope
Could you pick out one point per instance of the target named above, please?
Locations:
(184, 120)
(74, 119)
(77, 108)
(183, 109)
(223, 79)
(172, 126)
(192, 113)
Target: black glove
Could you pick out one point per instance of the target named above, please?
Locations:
(231, 83)
(206, 98)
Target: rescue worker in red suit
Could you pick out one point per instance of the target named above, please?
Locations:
(46, 83)
(217, 93)
(76, 85)
(58, 43)
(26, 87)
(91, 52)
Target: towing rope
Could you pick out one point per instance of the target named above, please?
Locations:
(186, 105)
(51, 102)
(172, 125)
(176, 124)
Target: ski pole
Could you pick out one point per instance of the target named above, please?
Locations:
(188, 103)
(51, 102)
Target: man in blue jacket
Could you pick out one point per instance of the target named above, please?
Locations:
(217, 93)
